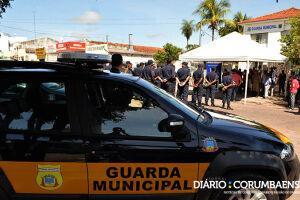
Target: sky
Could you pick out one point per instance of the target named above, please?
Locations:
(152, 22)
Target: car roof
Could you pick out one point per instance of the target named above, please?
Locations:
(12, 64)
(50, 67)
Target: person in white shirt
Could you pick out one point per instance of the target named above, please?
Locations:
(267, 85)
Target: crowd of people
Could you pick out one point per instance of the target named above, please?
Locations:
(233, 82)
(264, 83)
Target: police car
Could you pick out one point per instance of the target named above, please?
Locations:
(71, 131)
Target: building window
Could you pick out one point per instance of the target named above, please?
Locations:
(261, 38)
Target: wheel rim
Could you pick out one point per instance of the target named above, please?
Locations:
(248, 194)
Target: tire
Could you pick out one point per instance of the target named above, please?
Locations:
(263, 194)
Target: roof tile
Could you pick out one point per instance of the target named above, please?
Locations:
(291, 12)
(144, 49)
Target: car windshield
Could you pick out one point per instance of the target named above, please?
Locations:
(174, 101)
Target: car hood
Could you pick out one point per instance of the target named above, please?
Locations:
(233, 123)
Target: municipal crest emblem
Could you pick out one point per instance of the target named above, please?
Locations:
(49, 177)
(210, 145)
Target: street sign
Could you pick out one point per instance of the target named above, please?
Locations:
(40, 53)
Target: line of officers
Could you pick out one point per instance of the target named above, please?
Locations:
(166, 78)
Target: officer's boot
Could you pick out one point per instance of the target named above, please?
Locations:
(228, 107)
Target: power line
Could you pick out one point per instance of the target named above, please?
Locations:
(36, 32)
(105, 24)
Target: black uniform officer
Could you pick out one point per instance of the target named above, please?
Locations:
(197, 81)
(129, 68)
(142, 65)
(183, 76)
(116, 63)
(211, 79)
(158, 76)
(148, 72)
(227, 89)
(169, 74)
(137, 71)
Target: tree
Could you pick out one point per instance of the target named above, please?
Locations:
(291, 42)
(170, 51)
(192, 47)
(3, 5)
(234, 26)
(187, 29)
(212, 13)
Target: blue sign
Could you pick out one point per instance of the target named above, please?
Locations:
(265, 27)
(218, 66)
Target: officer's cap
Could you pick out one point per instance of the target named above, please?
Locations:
(116, 59)
(185, 63)
(150, 62)
(128, 62)
(142, 63)
(200, 66)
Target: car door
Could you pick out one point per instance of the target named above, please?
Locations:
(42, 149)
(128, 157)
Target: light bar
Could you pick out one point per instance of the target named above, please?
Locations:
(73, 57)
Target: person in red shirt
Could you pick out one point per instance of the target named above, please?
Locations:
(293, 92)
(237, 81)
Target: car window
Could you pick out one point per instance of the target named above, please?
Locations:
(123, 111)
(33, 106)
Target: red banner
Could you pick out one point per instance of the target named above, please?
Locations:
(70, 46)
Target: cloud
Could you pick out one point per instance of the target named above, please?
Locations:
(89, 17)
(152, 36)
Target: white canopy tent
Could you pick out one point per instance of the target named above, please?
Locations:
(233, 47)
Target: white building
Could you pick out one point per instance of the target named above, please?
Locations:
(26, 49)
(8, 43)
(269, 29)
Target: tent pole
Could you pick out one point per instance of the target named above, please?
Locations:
(246, 85)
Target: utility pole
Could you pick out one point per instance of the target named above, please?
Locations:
(200, 37)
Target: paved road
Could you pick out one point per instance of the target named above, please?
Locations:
(274, 115)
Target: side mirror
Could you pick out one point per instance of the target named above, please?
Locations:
(174, 124)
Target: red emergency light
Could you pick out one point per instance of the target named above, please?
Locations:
(70, 47)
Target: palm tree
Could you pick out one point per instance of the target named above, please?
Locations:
(239, 17)
(231, 27)
(212, 13)
(187, 29)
